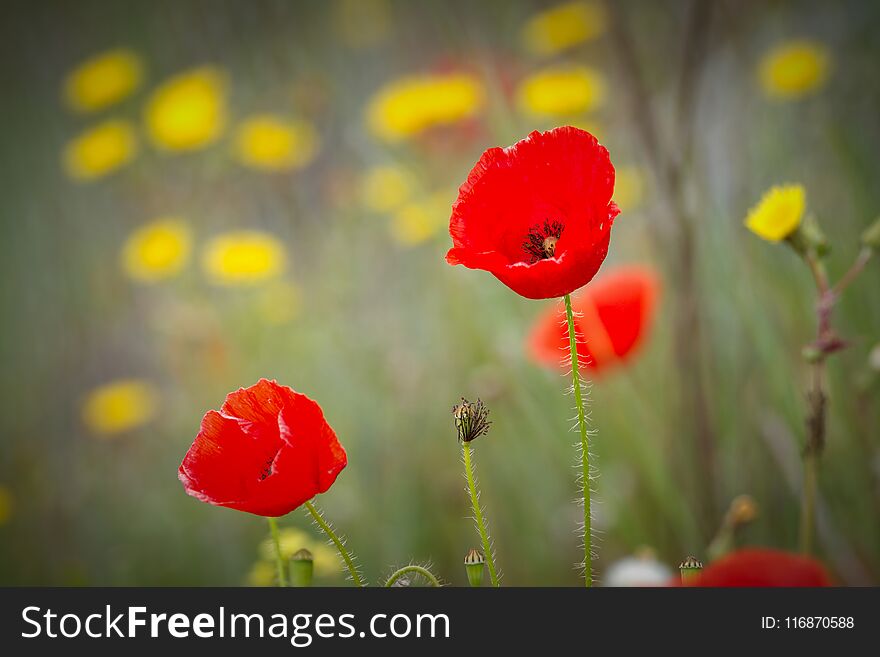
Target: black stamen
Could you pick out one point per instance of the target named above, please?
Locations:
(540, 243)
(471, 419)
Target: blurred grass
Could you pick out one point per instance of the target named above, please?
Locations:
(388, 338)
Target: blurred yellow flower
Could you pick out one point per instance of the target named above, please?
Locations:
(629, 187)
(291, 539)
(559, 28)
(407, 106)
(103, 80)
(385, 188)
(278, 302)
(273, 143)
(158, 250)
(243, 257)
(778, 214)
(794, 69)
(363, 23)
(562, 91)
(418, 221)
(100, 150)
(120, 406)
(188, 111)
(6, 505)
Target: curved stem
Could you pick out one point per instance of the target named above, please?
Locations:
(585, 445)
(478, 513)
(421, 570)
(279, 560)
(340, 546)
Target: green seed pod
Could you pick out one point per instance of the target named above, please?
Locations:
(302, 567)
(690, 568)
(474, 565)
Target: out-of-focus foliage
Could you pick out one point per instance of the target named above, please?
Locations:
(195, 195)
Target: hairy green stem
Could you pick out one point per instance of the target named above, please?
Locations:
(340, 547)
(478, 512)
(279, 560)
(412, 568)
(585, 445)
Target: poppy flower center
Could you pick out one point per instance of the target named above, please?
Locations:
(540, 243)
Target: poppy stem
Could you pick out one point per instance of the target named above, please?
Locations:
(585, 446)
(279, 561)
(412, 568)
(340, 545)
(478, 512)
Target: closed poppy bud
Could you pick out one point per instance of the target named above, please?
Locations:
(690, 568)
(267, 451)
(474, 565)
(613, 315)
(302, 567)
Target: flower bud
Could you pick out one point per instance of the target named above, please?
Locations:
(302, 567)
(474, 565)
(743, 510)
(690, 568)
(871, 236)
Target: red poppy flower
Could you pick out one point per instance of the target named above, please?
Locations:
(267, 450)
(762, 567)
(612, 317)
(537, 214)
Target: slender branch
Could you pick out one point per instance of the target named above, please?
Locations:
(585, 445)
(854, 271)
(412, 568)
(279, 560)
(340, 546)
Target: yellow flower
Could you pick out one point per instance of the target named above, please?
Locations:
(188, 111)
(100, 150)
(157, 250)
(243, 257)
(272, 143)
(562, 91)
(417, 222)
(278, 302)
(291, 540)
(6, 505)
(120, 406)
(566, 25)
(794, 69)
(405, 107)
(103, 80)
(386, 188)
(778, 213)
(629, 187)
(363, 23)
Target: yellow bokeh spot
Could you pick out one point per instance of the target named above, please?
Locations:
(272, 143)
(408, 106)
(103, 80)
(778, 214)
(158, 250)
(279, 302)
(291, 540)
(629, 187)
(562, 91)
(559, 28)
(188, 111)
(243, 257)
(794, 69)
(120, 406)
(100, 150)
(362, 23)
(6, 505)
(385, 188)
(419, 221)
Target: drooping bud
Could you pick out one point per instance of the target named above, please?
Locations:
(302, 567)
(474, 565)
(690, 568)
(471, 419)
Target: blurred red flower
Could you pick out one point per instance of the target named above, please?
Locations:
(538, 214)
(759, 567)
(612, 317)
(267, 451)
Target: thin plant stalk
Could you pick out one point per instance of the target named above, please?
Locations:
(478, 512)
(340, 546)
(279, 560)
(412, 568)
(585, 445)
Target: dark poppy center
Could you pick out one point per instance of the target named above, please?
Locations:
(540, 243)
